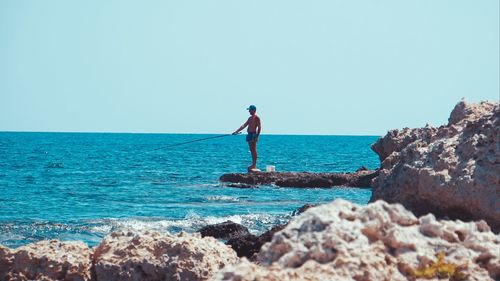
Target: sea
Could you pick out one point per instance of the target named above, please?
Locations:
(83, 186)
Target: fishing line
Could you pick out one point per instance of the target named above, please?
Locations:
(197, 140)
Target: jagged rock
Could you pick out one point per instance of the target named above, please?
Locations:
(451, 171)
(345, 241)
(46, 260)
(132, 255)
(6, 259)
(361, 178)
(395, 140)
(224, 230)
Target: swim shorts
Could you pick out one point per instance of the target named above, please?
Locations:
(251, 137)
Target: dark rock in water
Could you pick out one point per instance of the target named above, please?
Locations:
(360, 178)
(240, 239)
(225, 230)
(245, 246)
(268, 235)
(249, 245)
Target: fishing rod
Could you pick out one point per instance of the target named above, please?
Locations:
(197, 140)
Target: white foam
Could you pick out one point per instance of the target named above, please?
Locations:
(256, 223)
(222, 198)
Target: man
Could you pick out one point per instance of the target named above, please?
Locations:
(254, 128)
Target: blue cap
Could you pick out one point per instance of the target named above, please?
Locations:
(252, 107)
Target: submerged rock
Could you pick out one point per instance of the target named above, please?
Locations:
(452, 171)
(361, 178)
(46, 260)
(131, 255)
(345, 241)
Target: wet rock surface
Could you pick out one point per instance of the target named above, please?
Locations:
(225, 230)
(360, 178)
(452, 171)
(381, 241)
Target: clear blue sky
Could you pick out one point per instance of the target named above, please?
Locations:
(311, 67)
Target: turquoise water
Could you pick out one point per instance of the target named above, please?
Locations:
(81, 186)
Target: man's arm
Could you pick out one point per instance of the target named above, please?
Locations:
(241, 127)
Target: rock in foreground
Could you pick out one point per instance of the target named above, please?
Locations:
(451, 171)
(130, 255)
(361, 178)
(344, 241)
(46, 260)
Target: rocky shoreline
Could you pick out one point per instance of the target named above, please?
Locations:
(361, 178)
(335, 241)
(427, 176)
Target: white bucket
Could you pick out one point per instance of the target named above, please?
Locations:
(270, 168)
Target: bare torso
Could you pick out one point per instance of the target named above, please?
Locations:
(253, 123)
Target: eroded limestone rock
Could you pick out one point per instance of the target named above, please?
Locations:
(131, 255)
(452, 171)
(47, 260)
(381, 241)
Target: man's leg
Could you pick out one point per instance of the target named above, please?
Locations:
(253, 150)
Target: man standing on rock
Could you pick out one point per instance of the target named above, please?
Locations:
(254, 128)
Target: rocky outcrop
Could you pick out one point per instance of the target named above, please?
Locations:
(345, 241)
(452, 171)
(361, 178)
(396, 140)
(46, 260)
(130, 255)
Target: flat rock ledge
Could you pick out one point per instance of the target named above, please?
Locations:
(361, 178)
